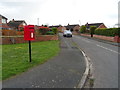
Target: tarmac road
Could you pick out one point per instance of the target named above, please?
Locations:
(63, 71)
(104, 58)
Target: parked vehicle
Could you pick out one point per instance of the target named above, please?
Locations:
(67, 33)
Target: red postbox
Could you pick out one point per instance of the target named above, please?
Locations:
(29, 32)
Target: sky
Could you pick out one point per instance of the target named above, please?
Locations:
(61, 12)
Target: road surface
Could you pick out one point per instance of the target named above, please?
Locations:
(104, 58)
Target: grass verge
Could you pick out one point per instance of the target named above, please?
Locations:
(15, 57)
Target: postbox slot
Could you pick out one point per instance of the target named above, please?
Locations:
(31, 34)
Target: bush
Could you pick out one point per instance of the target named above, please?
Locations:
(54, 30)
(108, 32)
(50, 33)
(8, 32)
(83, 29)
(20, 32)
(43, 31)
(92, 29)
(11, 32)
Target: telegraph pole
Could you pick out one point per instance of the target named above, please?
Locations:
(80, 22)
(38, 21)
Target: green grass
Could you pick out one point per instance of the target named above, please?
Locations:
(15, 57)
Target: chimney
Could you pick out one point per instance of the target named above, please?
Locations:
(13, 20)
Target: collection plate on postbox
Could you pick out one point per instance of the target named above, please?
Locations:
(29, 32)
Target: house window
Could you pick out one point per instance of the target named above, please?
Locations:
(3, 20)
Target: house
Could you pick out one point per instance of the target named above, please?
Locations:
(73, 28)
(97, 25)
(43, 27)
(3, 23)
(17, 24)
(61, 28)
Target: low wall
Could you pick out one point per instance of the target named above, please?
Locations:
(20, 39)
(112, 39)
(117, 39)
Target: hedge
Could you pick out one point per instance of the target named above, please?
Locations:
(11, 32)
(50, 33)
(108, 31)
(43, 31)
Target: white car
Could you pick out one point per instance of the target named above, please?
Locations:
(67, 33)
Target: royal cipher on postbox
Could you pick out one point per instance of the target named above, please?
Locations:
(29, 32)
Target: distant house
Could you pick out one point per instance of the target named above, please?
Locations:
(98, 25)
(3, 23)
(59, 27)
(17, 24)
(74, 28)
(41, 27)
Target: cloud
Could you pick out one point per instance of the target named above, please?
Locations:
(56, 12)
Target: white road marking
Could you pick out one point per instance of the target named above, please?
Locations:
(108, 49)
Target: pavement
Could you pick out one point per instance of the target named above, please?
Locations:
(62, 71)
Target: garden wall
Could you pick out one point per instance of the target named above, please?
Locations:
(20, 39)
(112, 39)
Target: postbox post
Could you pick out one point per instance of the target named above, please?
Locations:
(30, 51)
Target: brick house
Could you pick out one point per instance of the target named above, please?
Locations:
(98, 25)
(3, 23)
(61, 28)
(73, 28)
(17, 24)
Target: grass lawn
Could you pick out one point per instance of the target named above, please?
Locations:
(15, 57)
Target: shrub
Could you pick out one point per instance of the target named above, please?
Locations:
(92, 29)
(9, 32)
(43, 31)
(50, 33)
(20, 32)
(54, 30)
(83, 29)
